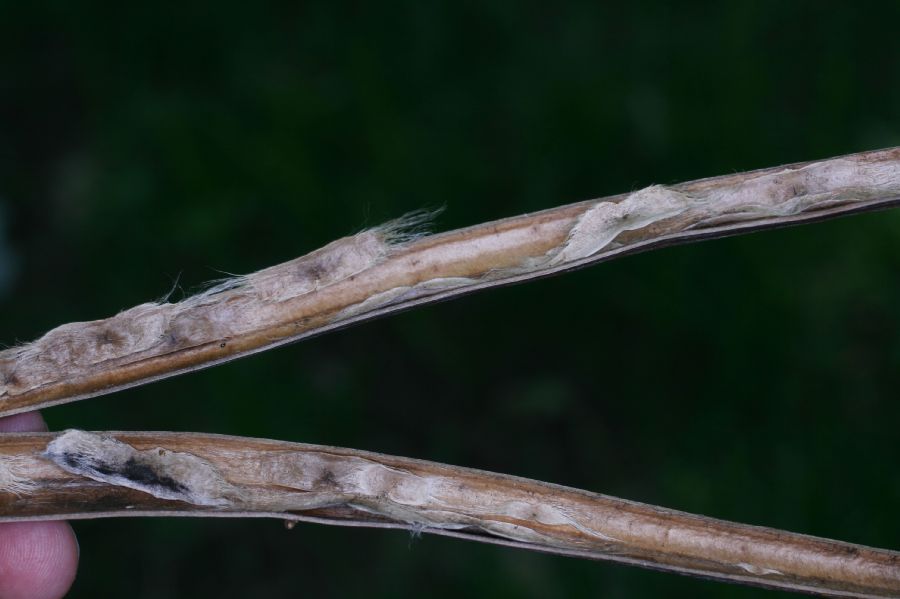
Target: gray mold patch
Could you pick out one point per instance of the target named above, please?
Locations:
(160, 472)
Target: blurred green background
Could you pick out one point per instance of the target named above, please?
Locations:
(753, 379)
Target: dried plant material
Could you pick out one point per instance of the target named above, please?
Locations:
(395, 267)
(231, 308)
(89, 475)
(603, 222)
(14, 476)
(157, 471)
(78, 474)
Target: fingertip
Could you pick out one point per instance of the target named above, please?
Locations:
(38, 560)
(27, 421)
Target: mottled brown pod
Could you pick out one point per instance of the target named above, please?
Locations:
(78, 474)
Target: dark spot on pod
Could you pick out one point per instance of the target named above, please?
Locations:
(326, 479)
(108, 337)
(798, 190)
(101, 468)
(313, 271)
(146, 475)
(73, 460)
(9, 378)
